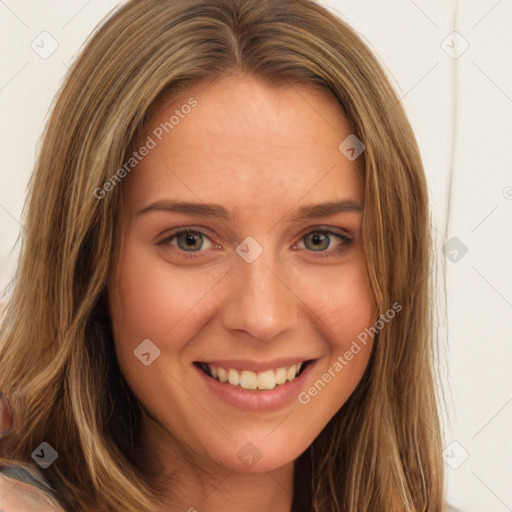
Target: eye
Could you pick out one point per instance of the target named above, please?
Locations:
(321, 241)
(187, 241)
(191, 243)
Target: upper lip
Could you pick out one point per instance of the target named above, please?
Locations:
(255, 366)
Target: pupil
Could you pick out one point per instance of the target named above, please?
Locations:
(319, 240)
(189, 241)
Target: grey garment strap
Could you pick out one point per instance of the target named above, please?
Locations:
(20, 473)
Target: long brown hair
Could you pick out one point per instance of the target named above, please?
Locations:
(381, 451)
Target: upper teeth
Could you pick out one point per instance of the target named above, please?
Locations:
(248, 379)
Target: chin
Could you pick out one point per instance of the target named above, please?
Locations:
(260, 455)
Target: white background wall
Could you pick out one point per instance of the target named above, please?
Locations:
(460, 106)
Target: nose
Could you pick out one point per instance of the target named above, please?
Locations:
(260, 301)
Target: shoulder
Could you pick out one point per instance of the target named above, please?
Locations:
(18, 496)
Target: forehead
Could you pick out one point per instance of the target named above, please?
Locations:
(247, 143)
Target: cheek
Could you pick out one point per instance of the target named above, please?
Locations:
(152, 298)
(344, 304)
(347, 310)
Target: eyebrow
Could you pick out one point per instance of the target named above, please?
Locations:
(214, 210)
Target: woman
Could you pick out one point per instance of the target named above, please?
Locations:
(223, 296)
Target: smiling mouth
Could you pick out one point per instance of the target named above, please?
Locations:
(250, 380)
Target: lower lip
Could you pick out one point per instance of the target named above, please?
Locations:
(254, 400)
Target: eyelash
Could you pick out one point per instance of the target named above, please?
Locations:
(346, 241)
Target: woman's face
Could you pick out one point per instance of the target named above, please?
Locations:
(271, 275)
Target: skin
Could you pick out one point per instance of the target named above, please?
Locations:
(20, 496)
(260, 151)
